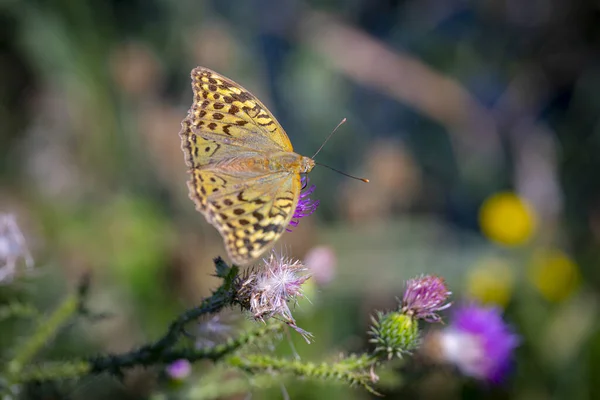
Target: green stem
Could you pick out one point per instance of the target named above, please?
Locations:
(47, 328)
(352, 370)
(53, 371)
(17, 309)
(219, 351)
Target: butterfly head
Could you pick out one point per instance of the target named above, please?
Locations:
(306, 164)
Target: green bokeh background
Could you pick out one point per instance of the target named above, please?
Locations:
(448, 102)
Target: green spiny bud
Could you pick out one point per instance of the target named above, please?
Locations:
(394, 334)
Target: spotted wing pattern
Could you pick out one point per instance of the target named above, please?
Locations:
(225, 123)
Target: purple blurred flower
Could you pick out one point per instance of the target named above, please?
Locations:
(266, 292)
(479, 342)
(424, 297)
(321, 261)
(214, 330)
(179, 370)
(12, 248)
(305, 206)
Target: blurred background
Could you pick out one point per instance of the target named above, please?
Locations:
(476, 122)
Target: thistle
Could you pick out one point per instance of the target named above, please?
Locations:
(397, 333)
(266, 292)
(424, 297)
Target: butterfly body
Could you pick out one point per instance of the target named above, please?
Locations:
(244, 174)
(261, 164)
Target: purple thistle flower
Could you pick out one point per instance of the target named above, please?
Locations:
(424, 297)
(479, 342)
(305, 206)
(179, 370)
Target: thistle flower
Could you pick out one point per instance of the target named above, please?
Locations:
(266, 292)
(12, 248)
(305, 206)
(424, 297)
(179, 370)
(478, 342)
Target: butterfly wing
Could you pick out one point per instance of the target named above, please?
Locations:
(227, 122)
(225, 114)
(250, 214)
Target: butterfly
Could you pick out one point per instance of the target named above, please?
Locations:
(244, 174)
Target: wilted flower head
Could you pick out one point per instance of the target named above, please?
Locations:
(12, 248)
(305, 206)
(266, 292)
(478, 342)
(179, 370)
(424, 297)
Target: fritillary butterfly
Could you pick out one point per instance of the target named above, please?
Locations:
(244, 174)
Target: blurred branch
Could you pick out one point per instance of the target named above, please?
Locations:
(532, 142)
(150, 355)
(369, 62)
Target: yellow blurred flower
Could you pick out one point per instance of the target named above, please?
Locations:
(554, 274)
(507, 219)
(491, 281)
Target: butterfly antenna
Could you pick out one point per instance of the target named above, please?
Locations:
(329, 137)
(343, 173)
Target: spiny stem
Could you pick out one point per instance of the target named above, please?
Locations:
(68, 370)
(154, 352)
(114, 363)
(147, 355)
(352, 370)
(219, 351)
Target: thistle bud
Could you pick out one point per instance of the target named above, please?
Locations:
(394, 334)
